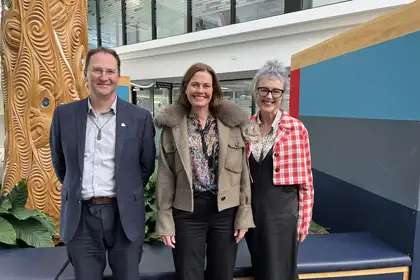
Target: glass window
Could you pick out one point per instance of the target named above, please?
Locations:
(161, 100)
(175, 93)
(209, 14)
(308, 4)
(111, 27)
(239, 92)
(247, 10)
(139, 21)
(144, 99)
(92, 26)
(171, 18)
(286, 98)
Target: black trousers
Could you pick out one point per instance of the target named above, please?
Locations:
(195, 230)
(100, 232)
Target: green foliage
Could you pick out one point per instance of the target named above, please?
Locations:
(22, 227)
(150, 207)
(317, 229)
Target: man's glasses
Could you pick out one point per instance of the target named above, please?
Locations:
(276, 92)
(100, 71)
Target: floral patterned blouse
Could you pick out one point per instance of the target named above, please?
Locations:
(204, 153)
(264, 143)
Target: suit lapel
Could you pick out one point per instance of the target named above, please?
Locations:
(121, 128)
(81, 118)
(180, 134)
(224, 133)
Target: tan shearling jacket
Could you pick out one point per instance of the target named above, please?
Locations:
(174, 179)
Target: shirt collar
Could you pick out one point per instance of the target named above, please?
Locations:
(112, 109)
(276, 121)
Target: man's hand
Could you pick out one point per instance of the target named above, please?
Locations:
(301, 237)
(239, 234)
(168, 240)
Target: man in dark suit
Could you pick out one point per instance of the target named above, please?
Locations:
(103, 153)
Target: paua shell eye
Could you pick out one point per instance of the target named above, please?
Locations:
(45, 102)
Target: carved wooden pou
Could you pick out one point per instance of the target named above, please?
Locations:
(44, 43)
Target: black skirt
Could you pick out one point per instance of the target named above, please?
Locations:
(273, 243)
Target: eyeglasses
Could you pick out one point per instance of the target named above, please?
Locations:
(276, 92)
(100, 71)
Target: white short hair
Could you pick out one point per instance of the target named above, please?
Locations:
(271, 69)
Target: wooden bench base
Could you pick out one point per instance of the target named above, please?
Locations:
(391, 270)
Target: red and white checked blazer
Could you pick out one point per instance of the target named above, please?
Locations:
(292, 165)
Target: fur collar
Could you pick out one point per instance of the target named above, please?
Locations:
(230, 114)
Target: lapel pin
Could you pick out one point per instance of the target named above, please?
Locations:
(123, 124)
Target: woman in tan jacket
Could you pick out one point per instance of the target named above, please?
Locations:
(203, 186)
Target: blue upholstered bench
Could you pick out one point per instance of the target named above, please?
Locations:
(320, 256)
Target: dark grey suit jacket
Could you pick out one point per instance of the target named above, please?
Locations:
(134, 163)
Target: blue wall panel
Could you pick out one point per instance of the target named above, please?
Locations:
(123, 92)
(377, 82)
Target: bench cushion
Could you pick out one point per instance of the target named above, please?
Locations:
(348, 251)
(319, 253)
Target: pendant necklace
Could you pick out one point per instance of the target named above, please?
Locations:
(99, 136)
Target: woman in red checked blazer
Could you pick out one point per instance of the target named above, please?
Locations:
(282, 191)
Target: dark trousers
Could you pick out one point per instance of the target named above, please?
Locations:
(100, 232)
(273, 242)
(193, 230)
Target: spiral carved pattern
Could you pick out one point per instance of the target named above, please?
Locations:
(43, 44)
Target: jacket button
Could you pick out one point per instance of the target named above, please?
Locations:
(237, 144)
(277, 169)
(223, 198)
(276, 154)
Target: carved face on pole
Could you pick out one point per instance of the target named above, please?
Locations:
(102, 74)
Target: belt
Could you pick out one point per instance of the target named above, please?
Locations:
(100, 200)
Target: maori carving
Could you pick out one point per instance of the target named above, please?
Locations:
(44, 43)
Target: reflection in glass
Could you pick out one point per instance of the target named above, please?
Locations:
(145, 99)
(308, 4)
(239, 92)
(139, 21)
(171, 18)
(175, 93)
(161, 100)
(247, 10)
(92, 26)
(209, 14)
(111, 27)
(286, 98)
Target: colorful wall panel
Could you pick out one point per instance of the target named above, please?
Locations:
(358, 94)
(124, 88)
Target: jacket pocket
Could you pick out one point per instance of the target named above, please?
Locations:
(234, 155)
(172, 156)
